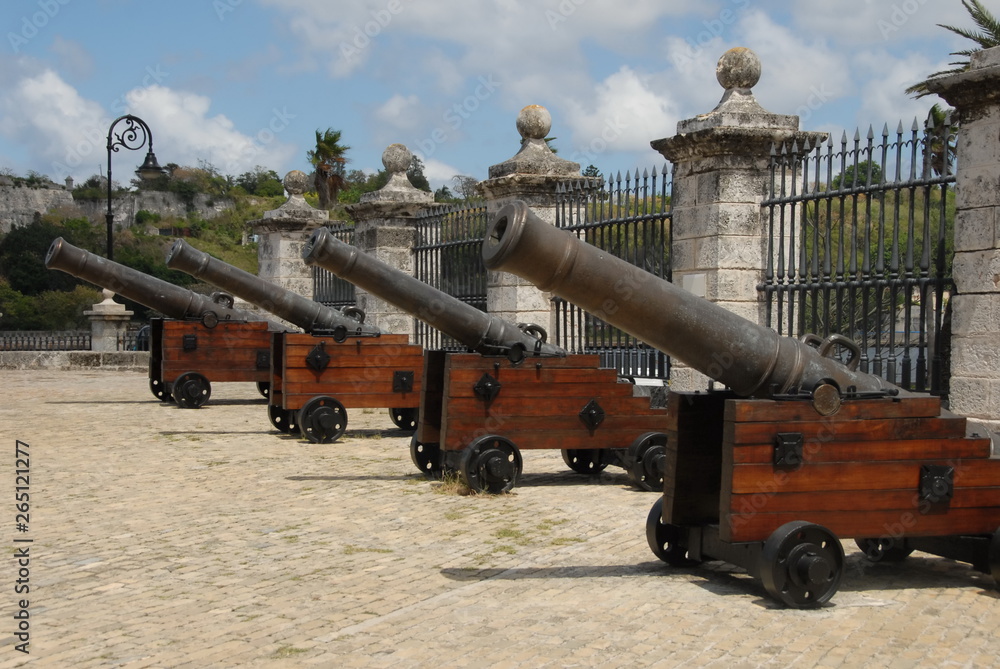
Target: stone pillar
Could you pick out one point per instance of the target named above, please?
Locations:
(108, 322)
(532, 176)
(281, 235)
(720, 176)
(975, 351)
(385, 227)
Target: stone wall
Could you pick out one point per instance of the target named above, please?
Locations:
(19, 205)
(115, 361)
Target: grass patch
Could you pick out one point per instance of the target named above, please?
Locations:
(351, 550)
(288, 651)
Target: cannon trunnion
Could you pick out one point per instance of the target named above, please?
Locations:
(202, 340)
(514, 391)
(314, 378)
(801, 453)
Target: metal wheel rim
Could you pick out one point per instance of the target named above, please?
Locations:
(491, 464)
(646, 454)
(802, 564)
(585, 461)
(664, 539)
(322, 420)
(404, 419)
(426, 457)
(191, 390)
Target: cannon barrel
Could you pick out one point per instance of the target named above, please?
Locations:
(307, 314)
(752, 360)
(472, 327)
(170, 300)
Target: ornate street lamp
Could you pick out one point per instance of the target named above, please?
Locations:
(134, 135)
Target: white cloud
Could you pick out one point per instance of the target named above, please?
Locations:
(399, 112)
(883, 97)
(869, 22)
(67, 133)
(625, 115)
(799, 74)
(64, 130)
(439, 173)
(185, 133)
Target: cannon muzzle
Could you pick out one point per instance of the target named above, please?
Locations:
(475, 329)
(305, 313)
(752, 360)
(170, 300)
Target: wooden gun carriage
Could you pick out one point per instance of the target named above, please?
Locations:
(802, 451)
(513, 391)
(339, 363)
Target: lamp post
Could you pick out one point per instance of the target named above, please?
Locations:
(134, 135)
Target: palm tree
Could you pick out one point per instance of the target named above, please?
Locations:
(941, 137)
(328, 159)
(987, 38)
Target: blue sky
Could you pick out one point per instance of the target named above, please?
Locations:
(240, 83)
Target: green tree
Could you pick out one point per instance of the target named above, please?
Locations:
(988, 36)
(466, 186)
(261, 181)
(866, 173)
(592, 172)
(328, 160)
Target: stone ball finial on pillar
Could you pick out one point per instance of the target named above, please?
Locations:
(535, 156)
(397, 159)
(738, 68)
(534, 122)
(296, 182)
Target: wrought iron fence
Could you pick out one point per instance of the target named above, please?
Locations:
(860, 243)
(38, 340)
(133, 339)
(447, 256)
(328, 288)
(629, 219)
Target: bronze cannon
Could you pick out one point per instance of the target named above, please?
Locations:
(339, 363)
(801, 451)
(513, 391)
(307, 314)
(201, 337)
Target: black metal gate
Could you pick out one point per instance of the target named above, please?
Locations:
(629, 219)
(448, 257)
(328, 288)
(860, 243)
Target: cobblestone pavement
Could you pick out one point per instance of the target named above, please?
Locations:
(165, 537)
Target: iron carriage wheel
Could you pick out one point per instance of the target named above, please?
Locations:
(283, 420)
(491, 463)
(584, 460)
(404, 419)
(646, 458)
(322, 420)
(191, 390)
(264, 388)
(666, 540)
(883, 550)
(427, 457)
(801, 564)
(159, 390)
